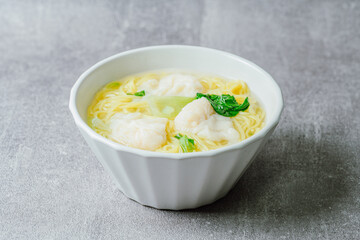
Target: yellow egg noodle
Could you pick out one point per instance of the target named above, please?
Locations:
(113, 99)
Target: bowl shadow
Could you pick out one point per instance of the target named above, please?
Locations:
(295, 176)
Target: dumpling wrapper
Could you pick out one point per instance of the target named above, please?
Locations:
(173, 85)
(139, 131)
(198, 117)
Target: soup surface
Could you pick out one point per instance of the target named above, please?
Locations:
(176, 111)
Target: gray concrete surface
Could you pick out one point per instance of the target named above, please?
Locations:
(303, 185)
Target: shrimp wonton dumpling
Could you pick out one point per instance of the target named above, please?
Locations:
(139, 131)
(198, 117)
(193, 114)
(173, 85)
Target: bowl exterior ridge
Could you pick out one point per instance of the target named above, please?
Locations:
(186, 184)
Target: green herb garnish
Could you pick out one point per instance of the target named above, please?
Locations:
(186, 144)
(138, 94)
(225, 104)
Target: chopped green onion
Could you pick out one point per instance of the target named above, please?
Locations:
(138, 94)
(113, 85)
(186, 144)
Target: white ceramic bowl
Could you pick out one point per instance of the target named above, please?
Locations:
(174, 180)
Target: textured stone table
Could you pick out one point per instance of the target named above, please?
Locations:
(303, 185)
